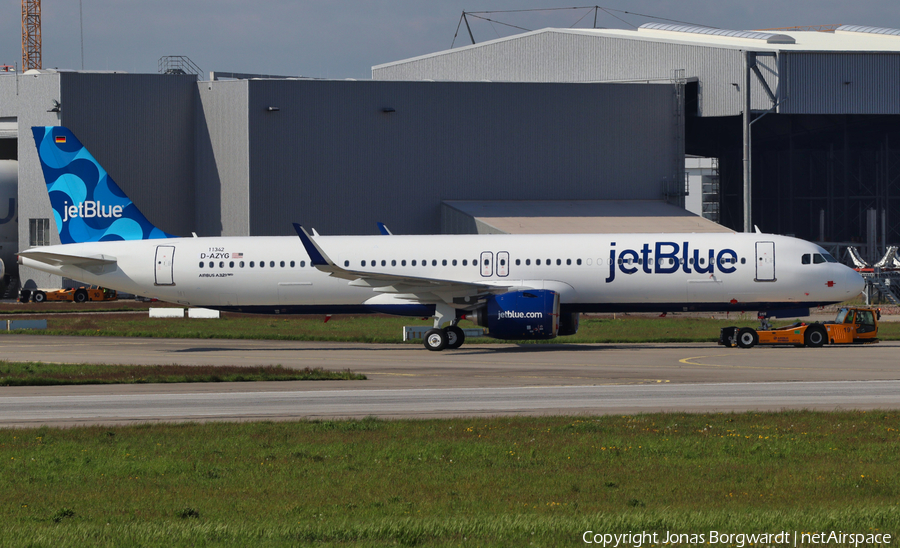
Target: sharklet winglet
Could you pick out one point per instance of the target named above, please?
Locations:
(316, 256)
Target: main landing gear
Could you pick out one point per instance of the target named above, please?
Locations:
(451, 336)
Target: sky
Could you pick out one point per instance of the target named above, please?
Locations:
(344, 39)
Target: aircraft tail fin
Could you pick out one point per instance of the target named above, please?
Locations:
(88, 205)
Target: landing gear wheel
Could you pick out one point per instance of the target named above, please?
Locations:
(455, 336)
(80, 296)
(435, 339)
(747, 337)
(39, 297)
(815, 336)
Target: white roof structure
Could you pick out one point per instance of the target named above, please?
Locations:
(852, 70)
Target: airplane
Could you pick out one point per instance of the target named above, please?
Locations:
(519, 287)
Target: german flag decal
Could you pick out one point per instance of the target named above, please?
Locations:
(60, 139)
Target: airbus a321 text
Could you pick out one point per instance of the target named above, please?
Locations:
(517, 286)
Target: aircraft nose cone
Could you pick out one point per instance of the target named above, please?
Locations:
(854, 283)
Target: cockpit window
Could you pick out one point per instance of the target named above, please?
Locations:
(818, 258)
(829, 258)
(805, 259)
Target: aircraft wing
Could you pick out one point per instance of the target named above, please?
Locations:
(411, 287)
(64, 259)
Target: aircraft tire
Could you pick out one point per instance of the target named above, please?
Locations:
(39, 297)
(455, 337)
(815, 336)
(80, 296)
(435, 340)
(747, 337)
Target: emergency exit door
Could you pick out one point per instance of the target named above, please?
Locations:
(164, 264)
(765, 261)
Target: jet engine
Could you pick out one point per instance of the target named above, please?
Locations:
(529, 314)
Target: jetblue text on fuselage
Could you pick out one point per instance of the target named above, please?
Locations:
(668, 258)
(90, 209)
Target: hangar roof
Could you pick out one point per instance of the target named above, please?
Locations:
(584, 216)
(845, 38)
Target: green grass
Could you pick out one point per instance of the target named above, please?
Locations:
(475, 482)
(388, 329)
(43, 374)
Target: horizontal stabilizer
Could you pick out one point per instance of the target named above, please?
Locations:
(60, 259)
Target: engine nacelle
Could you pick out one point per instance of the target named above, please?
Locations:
(529, 314)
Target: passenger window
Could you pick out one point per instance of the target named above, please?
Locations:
(413, 262)
(262, 264)
(231, 264)
(302, 264)
(251, 264)
(486, 262)
(518, 262)
(743, 260)
(454, 262)
(201, 264)
(292, 264)
(346, 263)
(691, 260)
(502, 262)
(282, 264)
(538, 262)
(272, 264)
(383, 262)
(212, 264)
(403, 262)
(578, 262)
(464, 262)
(702, 260)
(242, 264)
(558, 262)
(434, 262)
(443, 262)
(548, 262)
(393, 262)
(362, 263)
(528, 262)
(475, 262)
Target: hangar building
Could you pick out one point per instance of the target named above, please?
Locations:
(249, 156)
(825, 110)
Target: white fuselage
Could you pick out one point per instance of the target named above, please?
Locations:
(591, 272)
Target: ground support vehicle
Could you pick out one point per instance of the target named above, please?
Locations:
(78, 295)
(852, 325)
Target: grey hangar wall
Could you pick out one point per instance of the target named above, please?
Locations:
(251, 156)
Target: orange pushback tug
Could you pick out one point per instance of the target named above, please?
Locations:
(78, 295)
(852, 325)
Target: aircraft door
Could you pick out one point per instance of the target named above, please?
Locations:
(503, 264)
(765, 262)
(165, 264)
(487, 269)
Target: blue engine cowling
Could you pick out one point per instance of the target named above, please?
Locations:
(530, 314)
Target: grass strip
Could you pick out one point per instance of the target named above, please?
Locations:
(480, 482)
(388, 329)
(45, 374)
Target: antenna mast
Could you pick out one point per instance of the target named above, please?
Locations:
(31, 34)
